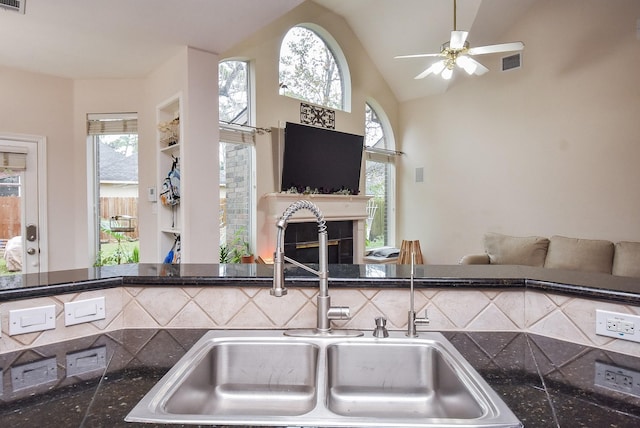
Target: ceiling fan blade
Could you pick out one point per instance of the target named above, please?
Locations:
(434, 68)
(457, 39)
(470, 65)
(503, 47)
(480, 69)
(417, 55)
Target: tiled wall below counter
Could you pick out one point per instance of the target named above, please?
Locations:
(552, 315)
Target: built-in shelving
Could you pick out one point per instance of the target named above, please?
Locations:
(170, 146)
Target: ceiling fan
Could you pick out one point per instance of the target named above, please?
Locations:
(456, 52)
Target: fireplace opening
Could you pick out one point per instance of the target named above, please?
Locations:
(301, 242)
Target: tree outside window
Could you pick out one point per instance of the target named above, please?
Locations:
(309, 70)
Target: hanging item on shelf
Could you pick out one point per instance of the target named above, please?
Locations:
(171, 186)
(177, 252)
(173, 256)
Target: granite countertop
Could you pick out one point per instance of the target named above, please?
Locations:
(582, 284)
(95, 381)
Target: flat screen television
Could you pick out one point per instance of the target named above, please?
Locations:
(321, 159)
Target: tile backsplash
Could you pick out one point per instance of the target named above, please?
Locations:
(552, 315)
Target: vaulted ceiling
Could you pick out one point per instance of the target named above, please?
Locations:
(127, 39)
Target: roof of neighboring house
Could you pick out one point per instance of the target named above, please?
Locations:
(115, 166)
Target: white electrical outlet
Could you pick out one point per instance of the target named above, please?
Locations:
(617, 378)
(32, 319)
(620, 326)
(84, 311)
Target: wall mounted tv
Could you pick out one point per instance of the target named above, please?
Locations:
(322, 159)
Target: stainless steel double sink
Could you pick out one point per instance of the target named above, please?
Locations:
(264, 378)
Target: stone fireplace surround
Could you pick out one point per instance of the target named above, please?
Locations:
(333, 207)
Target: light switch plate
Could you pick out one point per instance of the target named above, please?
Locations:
(34, 374)
(617, 378)
(82, 311)
(32, 319)
(618, 325)
(86, 361)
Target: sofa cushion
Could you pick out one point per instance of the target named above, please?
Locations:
(514, 250)
(590, 255)
(626, 259)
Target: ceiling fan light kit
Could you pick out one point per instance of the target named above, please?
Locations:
(456, 52)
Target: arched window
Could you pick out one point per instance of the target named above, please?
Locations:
(379, 178)
(313, 68)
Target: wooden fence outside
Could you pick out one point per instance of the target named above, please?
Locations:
(10, 217)
(10, 214)
(110, 207)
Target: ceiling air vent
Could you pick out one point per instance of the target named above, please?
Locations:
(511, 62)
(14, 5)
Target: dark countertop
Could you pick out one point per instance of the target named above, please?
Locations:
(583, 284)
(545, 382)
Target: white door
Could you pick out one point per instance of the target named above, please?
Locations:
(21, 236)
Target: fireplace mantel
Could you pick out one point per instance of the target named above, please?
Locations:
(333, 207)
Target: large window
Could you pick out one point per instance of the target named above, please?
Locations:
(237, 164)
(114, 144)
(312, 68)
(379, 180)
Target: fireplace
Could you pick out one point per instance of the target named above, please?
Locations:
(345, 216)
(301, 242)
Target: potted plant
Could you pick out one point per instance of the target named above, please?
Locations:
(243, 250)
(237, 251)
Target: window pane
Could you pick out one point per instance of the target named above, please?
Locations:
(233, 91)
(117, 178)
(235, 198)
(377, 186)
(308, 69)
(11, 221)
(236, 164)
(374, 135)
(378, 182)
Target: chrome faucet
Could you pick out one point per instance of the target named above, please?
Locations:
(326, 312)
(412, 319)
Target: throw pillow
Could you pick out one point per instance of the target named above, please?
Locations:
(626, 260)
(514, 250)
(590, 255)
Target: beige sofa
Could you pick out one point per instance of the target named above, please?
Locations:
(559, 252)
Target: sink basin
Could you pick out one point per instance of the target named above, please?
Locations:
(241, 377)
(396, 381)
(254, 378)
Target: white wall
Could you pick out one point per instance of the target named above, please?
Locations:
(38, 104)
(263, 50)
(103, 96)
(193, 74)
(552, 148)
